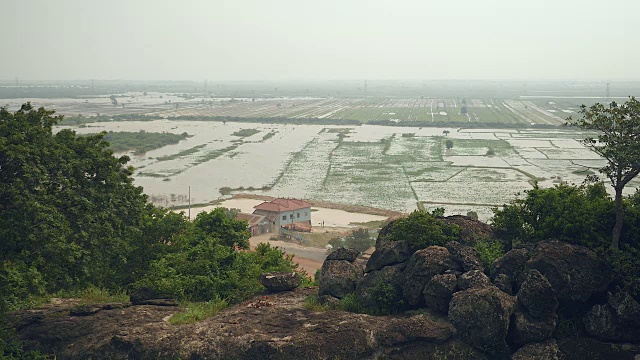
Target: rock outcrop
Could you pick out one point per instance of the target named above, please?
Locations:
(280, 281)
(338, 277)
(481, 316)
(617, 320)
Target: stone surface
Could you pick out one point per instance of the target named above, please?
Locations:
(575, 272)
(473, 278)
(466, 256)
(481, 316)
(617, 320)
(280, 281)
(421, 327)
(537, 295)
(582, 348)
(343, 253)
(421, 267)
(512, 263)
(454, 349)
(439, 290)
(471, 230)
(388, 276)
(391, 253)
(282, 330)
(338, 278)
(546, 350)
(526, 329)
(504, 283)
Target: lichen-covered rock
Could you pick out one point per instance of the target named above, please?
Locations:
(526, 329)
(504, 283)
(391, 253)
(454, 349)
(537, 295)
(388, 280)
(338, 278)
(471, 230)
(473, 278)
(439, 290)
(545, 350)
(617, 320)
(512, 263)
(466, 256)
(343, 253)
(421, 267)
(481, 316)
(581, 348)
(575, 272)
(421, 327)
(280, 281)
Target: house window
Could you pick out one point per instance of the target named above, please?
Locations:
(284, 217)
(298, 215)
(290, 216)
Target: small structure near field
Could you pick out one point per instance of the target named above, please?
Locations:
(258, 224)
(288, 213)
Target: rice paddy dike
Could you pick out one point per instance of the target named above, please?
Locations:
(390, 167)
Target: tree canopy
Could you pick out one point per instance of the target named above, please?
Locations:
(618, 141)
(71, 218)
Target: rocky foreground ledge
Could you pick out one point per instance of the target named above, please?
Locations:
(267, 327)
(455, 309)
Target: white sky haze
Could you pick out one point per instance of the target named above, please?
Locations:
(313, 40)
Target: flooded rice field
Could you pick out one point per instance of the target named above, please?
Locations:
(395, 168)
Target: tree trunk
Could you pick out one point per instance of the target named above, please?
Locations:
(617, 229)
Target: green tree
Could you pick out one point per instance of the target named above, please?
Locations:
(421, 229)
(448, 144)
(359, 239)
(222, 224)
(618, 141)
(67, 206)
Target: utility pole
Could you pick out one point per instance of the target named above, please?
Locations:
(189, 203)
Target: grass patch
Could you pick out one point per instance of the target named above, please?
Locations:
(246, 132)
(311, 303)
(181, 153)
(198, 311)
(215, 154)
(373, 224)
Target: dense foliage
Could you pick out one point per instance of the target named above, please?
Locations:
(71, 219)
(421, 229)
(581, 215)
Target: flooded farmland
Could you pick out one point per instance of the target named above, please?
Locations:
(396, 168)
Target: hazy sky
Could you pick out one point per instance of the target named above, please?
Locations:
(323, 39)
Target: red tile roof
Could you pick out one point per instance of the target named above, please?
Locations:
(252, 219)
(281, 204)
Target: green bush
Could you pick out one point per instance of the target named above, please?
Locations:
(581, 215)
(422, 229)
(489, 251)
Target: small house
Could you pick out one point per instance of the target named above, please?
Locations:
(258, 224)
(282, 212)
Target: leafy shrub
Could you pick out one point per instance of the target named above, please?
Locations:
(422, 229)
(489, 251)
(386, 298)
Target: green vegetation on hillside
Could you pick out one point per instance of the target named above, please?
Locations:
(71, 219)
